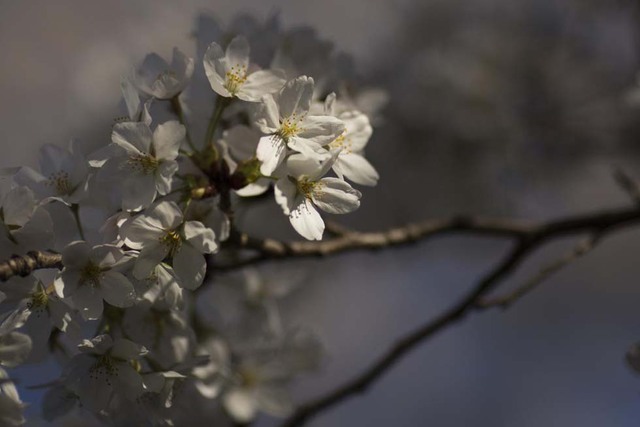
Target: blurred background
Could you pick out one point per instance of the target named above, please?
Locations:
(508, 108)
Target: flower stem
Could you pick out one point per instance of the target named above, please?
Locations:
(221, 104)
(75, 208)
(177, 109)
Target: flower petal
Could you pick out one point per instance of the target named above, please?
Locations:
(215, 69)
(260, 83)
(167, 139)
(117, 290)
(132, 136)
(88, 300)
(190, 266)
(336, 196)
(271, 151)
(356, 168)
(306, 220)
(201, 237)
(237, 54)
(295, 97)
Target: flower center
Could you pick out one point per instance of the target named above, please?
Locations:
(290, 126)
(90, 274)
(166, 75)
(309, 188)
(248, 377)
(173, 240)
(38, 299)
(60, 182)
(341, 142)
(143, 163)
(104, 368)
(235, 78)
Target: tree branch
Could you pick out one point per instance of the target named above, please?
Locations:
(346, 240)
(505, 301)
(528, 238)
(27, 264)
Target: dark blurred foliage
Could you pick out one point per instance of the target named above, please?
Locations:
(490, 96)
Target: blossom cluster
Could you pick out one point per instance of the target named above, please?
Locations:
(141, 222)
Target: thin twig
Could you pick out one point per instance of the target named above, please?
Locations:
(505, 301)
(628, 184)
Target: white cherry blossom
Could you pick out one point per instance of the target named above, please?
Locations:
(286, 121)
(351, 162)
(104, 368)
(63, 175)
(157, 78)
(160, 233)
(145, 161)
(231, 75)
(90, 275)
(303, 190)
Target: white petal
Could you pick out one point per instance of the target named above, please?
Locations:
(190, 266)
(76, 255)
(88, 300)
(356, 168)
(131, 97)
(271, 151)
(132, 136)
(266, 114)
(321, 129)
(18, 206)
(358, 130)
(149, 258)
(117, 290)
(201, 237)
(215, 69)
(105, 256)
(182, 65)
(255, 188)
(125, 349)
(306, 220)
(285, 193)
(240, 405)
(336, 196)
(14, 348)
(138, 192)
(260, 83)
(128, 382)
(164, 176)
(237, 54)
(142, 230)
(295, 97)
(168, 213)
(167, 139)
(307, 147)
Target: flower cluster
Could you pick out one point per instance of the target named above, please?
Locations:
(140, 223)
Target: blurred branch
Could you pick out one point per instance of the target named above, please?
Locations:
(528, 238)
(346, 240)
(628, 184)
(584, 247)
(27, 264)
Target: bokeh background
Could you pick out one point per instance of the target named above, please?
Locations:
(509, 108)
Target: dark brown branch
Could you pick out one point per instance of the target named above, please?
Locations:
(628, 184)
(26, 264)
(528, 238)
(346, 240)
(505, 301)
